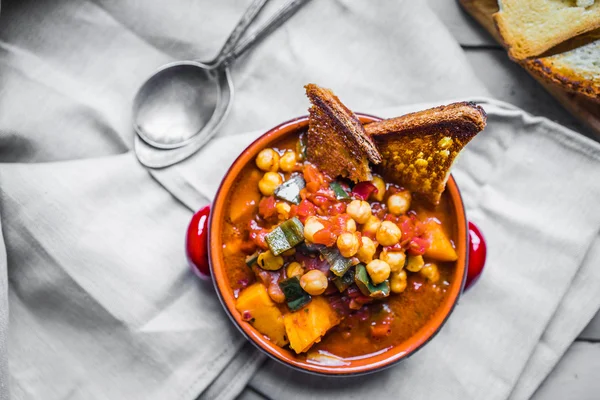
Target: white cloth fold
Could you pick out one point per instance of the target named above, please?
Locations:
(102, 305)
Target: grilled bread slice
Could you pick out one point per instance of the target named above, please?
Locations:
(337, 142)
(572, 65)
(418, 149)
(530, 27)
(575, 69)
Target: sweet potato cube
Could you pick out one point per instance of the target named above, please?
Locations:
(441, 248)
(256, 306)
(246, 200)
(307, 326)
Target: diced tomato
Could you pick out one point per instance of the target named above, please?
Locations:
(418, 246)
(320, 201)
(306, 209)
(407, 228)
(327, 192)
(258, 237)
(257, 234)
(325, 236)
(266, 207)
(396, 247)
(337, 208)
(293, 210)
(312, 187)
(312, 174)
(391, 217)
(363, 190)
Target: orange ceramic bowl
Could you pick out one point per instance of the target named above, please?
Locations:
(365, 364)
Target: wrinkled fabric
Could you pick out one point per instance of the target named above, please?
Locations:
(96, 300)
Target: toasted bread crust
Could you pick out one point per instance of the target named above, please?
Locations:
(566, 77)
(418, 149)
(337, 142)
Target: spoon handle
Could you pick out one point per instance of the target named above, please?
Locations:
(273, 23)
(241, 27)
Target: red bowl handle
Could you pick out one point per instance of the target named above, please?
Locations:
(477, 255)
(196, 244)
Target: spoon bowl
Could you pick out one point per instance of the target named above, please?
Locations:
(179, 108)
(176, 104)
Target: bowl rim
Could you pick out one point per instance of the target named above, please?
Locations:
(218, 276)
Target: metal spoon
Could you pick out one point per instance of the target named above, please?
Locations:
(183, 146)
(161, 108)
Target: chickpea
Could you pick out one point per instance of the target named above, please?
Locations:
(314, 282)
(359, 210)
(269, 261)
(388, 233)
(378, 270)
(371, 226)
(431, 272)
(351, 225)
(367, 250)
(275, 293)
(268, 160)
(399, 203)
(312, 226)
(348, 244)
(415, 263)
(395, 259)
(294, 269)
(269, 183)
(398, 281)
(380, 185)
(288, 161)
(283, 210)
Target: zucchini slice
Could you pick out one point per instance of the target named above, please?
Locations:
(295, 296)
(344, 282)
(290, 189)
(339, 191)
(285, 236)
(366, 286)
(338, 264)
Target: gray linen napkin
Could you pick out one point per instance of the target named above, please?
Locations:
(102, 305)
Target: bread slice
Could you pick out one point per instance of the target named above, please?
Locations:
(418, 149)
(530, 27)
(337, 142)
(576, 70)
